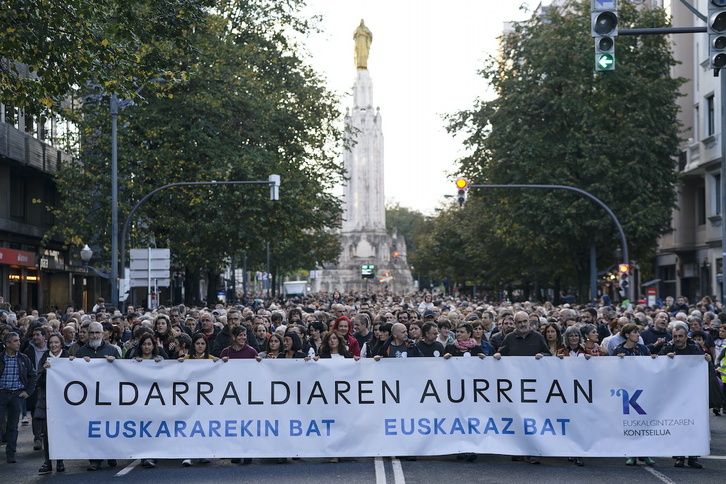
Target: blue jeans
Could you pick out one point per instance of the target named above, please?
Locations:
(10, 406)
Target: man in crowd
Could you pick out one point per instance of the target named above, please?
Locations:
(398, 345)
(17, 382)
(656, 335)
(224, 338)
(37, 347)
(681, 345)
(523, 342)
(361, 329)
(96, 347)
(429, 344)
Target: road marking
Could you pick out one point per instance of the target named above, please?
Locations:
(714, 457)
(659, 475)
(128, 468)
(397, 472)
(380, 470)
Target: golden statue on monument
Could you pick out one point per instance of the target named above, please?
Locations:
(363, 39)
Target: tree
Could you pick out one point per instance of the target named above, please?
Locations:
(556, 121)
(249, 108)
(58, 46)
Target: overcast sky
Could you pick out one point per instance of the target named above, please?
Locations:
(423, 61)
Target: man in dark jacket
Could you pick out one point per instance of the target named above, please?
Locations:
(681, 345)
(96, 347)
(657, 334)
(17, 382)
(398, 345)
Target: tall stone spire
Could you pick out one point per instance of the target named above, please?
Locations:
(364, 194)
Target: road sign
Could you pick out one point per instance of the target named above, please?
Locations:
(150, 267)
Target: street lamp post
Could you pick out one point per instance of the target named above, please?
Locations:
(86, 255)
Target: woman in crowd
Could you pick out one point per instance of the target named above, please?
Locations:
(274, 347)
(631, 347)
(292, 346)
(414, 331)
(344, 329)
(572, 344)
(465, 345)
(163, 333)
(199, 351)
(239, 349)
(148, 349)
(591, 338)
(55, 350)
(446, 336)
(316, 330)
(333, 347)
(553, 337)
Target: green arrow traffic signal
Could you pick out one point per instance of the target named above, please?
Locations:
(605, 62)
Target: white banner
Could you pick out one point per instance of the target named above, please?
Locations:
(604, 406)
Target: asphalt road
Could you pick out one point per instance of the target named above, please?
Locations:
(487, 468)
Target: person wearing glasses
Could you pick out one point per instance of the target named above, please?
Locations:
(96, 347)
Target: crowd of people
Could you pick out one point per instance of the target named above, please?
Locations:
(344, 326)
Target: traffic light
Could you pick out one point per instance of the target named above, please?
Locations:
(461, 184)
(716, 29)
(604, 29)
(624, 280)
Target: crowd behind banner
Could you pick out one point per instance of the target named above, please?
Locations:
(354, 326)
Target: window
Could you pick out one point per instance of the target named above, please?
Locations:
(715, 199)
(17, 198)
(701, 204)
(710, 116)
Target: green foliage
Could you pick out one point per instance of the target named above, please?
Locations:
(116, 44)
(249, 108)
(556, 121)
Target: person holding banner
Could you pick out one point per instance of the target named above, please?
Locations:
(55, 350)
(148, 349)
(96, 347)
(200, 349)
(274, 347)
(333, 347)
(682, 345)
(239, 348)
(465, 345)
(523, 341)
(573, 344)
(292, 346)
(398, 345)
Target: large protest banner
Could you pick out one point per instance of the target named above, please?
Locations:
(604, 406)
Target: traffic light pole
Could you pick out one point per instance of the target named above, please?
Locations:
(273, 182)
(623, 241)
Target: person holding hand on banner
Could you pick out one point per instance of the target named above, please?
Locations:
(148, 349)
(573, 344)
(55, 350)
(239, 349)
(523, 341)
(96, 347)
(292, 346)
(398, 345)
(682, 345)
(200, 349)
(465, 344)
(333, 347)
(274, 347)
(631, 347)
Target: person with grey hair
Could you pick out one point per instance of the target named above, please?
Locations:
(572, 344)
(17, 382)
(682, 345)
(96, 347)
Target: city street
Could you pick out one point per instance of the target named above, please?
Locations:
(487, 468)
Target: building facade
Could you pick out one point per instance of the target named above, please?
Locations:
(34, 275)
